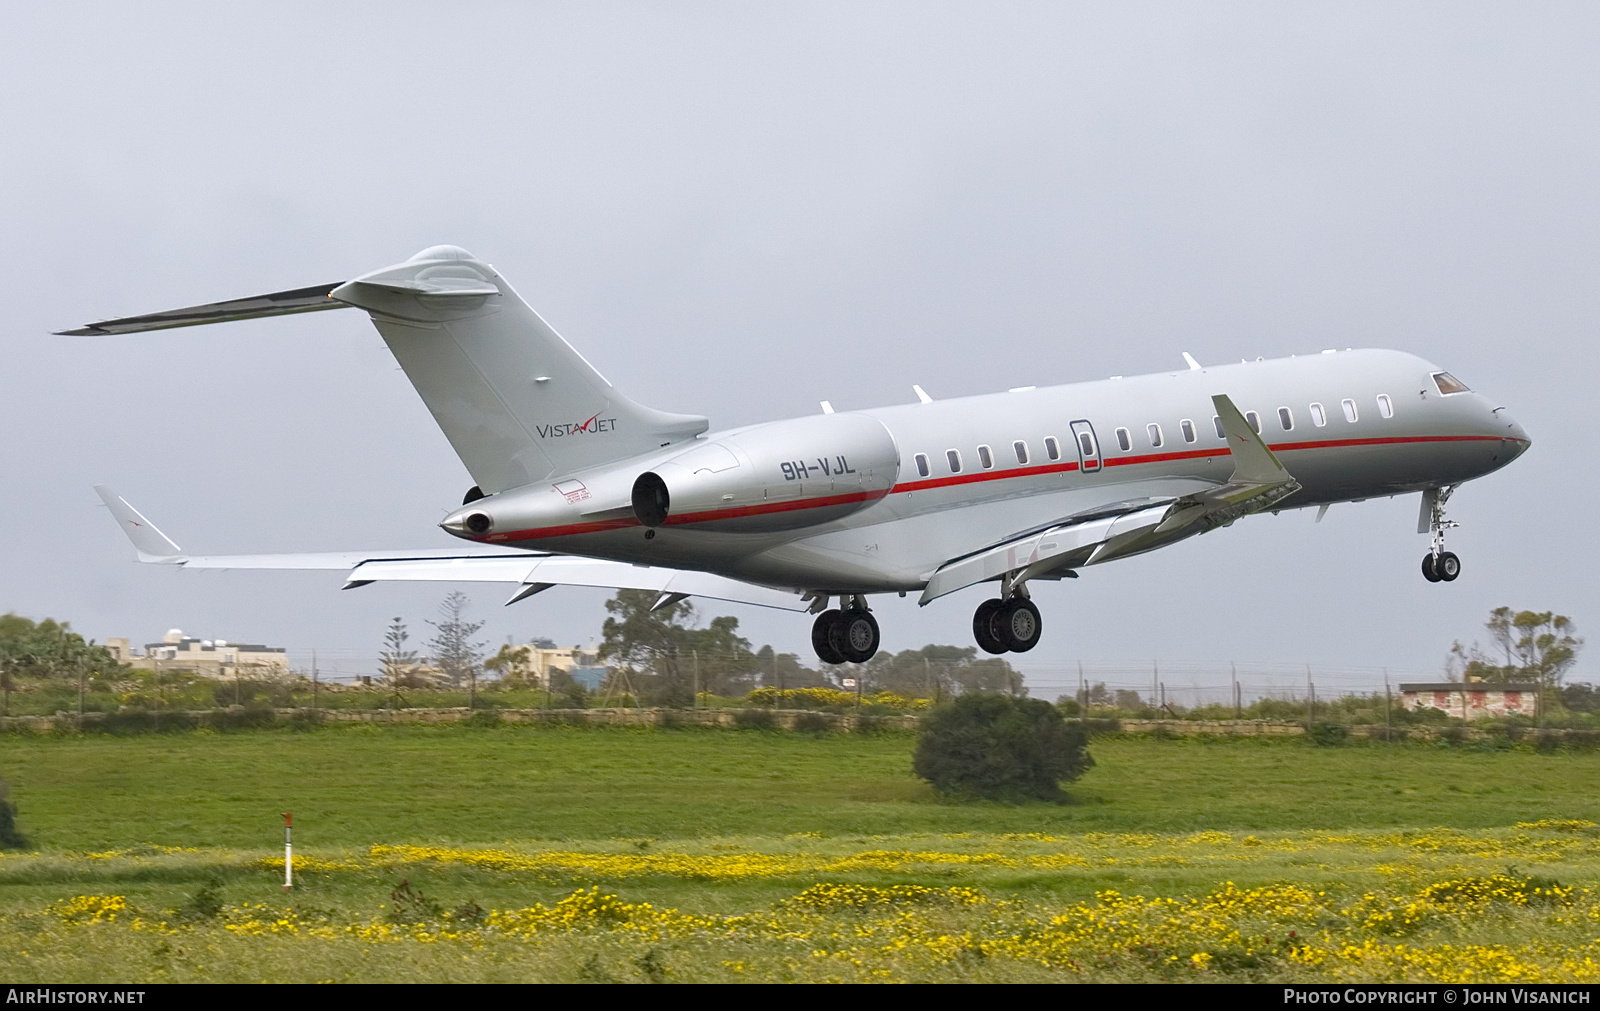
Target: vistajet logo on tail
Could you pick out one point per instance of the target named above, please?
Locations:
(594, 425)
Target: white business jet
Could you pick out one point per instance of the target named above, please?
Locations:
(578, 485)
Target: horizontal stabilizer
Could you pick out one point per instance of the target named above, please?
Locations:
(277, 303)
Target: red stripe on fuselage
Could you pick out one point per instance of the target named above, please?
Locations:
(707, 516)
(788, 505)
(1188, 454)
(954, 479)
(822, 502)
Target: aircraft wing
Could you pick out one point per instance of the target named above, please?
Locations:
(1258, 482)
(535, 572)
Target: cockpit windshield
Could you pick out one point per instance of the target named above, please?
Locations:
(1449, 384)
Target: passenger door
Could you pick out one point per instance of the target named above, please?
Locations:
(1088, 446)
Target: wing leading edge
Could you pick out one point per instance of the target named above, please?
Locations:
(1258, 482)
(534, 572)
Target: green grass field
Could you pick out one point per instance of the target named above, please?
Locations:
(713, 825)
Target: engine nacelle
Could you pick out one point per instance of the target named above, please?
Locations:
(782, 476)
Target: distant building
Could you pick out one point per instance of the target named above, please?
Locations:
(545, 656)
(1473, 700)
(212, 658)
(591, 678)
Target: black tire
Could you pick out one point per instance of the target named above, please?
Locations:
(1017, 625)
(858, 636)
(821, 637)
(983, 629)
(1449, 566)
(1428, 571)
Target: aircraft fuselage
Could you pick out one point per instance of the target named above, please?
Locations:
(951, 477)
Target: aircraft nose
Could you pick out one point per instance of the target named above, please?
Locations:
(1511, 433)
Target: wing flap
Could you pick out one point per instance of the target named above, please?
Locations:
(1258, 482)
(569, 570)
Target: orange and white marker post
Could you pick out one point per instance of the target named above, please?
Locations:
(288, 851)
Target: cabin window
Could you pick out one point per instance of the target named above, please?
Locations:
(1154, 431)
(1349, 410)
(1449, 384)
(1052, 448)
(1022, 452)
(1286, 419)
(922, 464)
(1188, 429)
(1254, 419)
(1319, 417)
(1385, 405)
(1085, 444)
(1124, 440)
(1218, 422)
(985, 458)
(954, 458)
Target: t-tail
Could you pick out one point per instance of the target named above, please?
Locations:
(516, 401)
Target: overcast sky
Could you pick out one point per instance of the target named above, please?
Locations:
(742, 209)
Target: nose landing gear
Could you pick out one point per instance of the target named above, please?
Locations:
(846, 635)
(1438, 565)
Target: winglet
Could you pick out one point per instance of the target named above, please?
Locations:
(1253, 462)
(152, 544)
(1188, 358)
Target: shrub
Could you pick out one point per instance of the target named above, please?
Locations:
(1001, 748)
(754, 719)
(1327, 734)
(10, 837)
(813, 723)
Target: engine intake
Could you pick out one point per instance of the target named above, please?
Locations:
(651, 500)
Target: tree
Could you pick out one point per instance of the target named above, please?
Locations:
(50, 649)
(662, 648)
(454, 653)
(1538, 646)
(940, 671)
(1000, 747)
(512, 663)
(399, 663)
(784, 670)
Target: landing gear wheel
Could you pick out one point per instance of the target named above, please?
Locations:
(1017, 625)
(1448, 566)
(858, 635)
(822, 639)
(983, 630)
(1428, 571)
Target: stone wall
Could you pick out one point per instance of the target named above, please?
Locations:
(781, 719)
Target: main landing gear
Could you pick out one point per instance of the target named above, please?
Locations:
(1438, 565)
(847, 634)
(1007, 626)
(1008, 623)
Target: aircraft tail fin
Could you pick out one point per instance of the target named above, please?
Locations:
(152, 544)
(517, 402)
